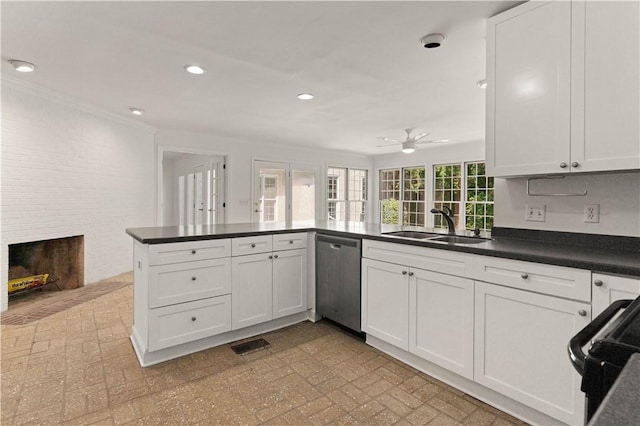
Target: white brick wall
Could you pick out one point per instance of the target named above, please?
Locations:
(68, 170)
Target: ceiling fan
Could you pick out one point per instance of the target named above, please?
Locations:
(409, 144)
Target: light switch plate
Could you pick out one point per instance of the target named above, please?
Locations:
(536, 213)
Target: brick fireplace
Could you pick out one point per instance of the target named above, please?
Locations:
(61, 258)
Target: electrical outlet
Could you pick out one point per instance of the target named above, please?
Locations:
(536, 213)
(592, 213)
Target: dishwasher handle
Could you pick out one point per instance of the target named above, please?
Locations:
(337, 242)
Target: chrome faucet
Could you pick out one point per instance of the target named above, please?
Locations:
(447, 216)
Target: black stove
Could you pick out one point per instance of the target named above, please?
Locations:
(616, 336)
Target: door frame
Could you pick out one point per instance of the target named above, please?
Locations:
(160, 152)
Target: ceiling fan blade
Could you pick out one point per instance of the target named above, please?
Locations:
(433, 141)
(389, 144)
(388, 140)
(417, 138)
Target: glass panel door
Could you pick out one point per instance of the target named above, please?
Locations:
(303, 193)
(270, 192)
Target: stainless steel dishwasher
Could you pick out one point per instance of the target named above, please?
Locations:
(338, 279)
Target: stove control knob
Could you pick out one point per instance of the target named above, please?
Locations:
(582, 313)
(598, 283)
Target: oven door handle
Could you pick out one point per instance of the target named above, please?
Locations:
(583, 337)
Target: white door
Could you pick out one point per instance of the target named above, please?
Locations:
(200, 194)
(252, 293)
(609, 288)
(520, 348)
(385, 302)
(289, 282)
(283, 192)
(441, 320)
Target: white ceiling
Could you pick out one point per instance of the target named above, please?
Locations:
(361, 60)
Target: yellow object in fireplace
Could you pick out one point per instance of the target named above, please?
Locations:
(27, 282)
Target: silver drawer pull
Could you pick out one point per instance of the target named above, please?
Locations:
(270, 257)
(582, 313)
(598, 283)
(193, 318)
(524, 275)
(193, 278)
(563, 165)
(275, 256)
(404, 272)
(575, 164)
(410, 274)
(253, 246)
(193, 252)
(290, 241)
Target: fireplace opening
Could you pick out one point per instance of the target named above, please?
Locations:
(38, 264)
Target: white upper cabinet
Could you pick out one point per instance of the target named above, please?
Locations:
(563, 88)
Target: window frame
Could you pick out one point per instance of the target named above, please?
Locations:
(347, 201)
(401, 192)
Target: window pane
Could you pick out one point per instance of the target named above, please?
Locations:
(479, 200)
(448, 192)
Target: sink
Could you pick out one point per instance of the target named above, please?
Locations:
(411, 234)
(457, 239)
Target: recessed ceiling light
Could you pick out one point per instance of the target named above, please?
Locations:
(305, 96)
(431, 41)
(136, 111)
(194, 69)
(482, 83)
(22, 66)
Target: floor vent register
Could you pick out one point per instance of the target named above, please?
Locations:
(251, 346)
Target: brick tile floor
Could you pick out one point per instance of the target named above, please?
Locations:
(75, 365)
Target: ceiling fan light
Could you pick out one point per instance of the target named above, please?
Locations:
(408, 147)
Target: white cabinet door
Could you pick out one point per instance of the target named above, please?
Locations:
(252, 294)
(289, 282)
(605, 128)
(528, 90)
(385, 302)
(609, 288)
(441, 320)
(521, 343)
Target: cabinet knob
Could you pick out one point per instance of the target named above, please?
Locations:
(253, 246)
(193, 252)
(410, 274)
(193, 278)
(270, 256)
(575, 164)
(290, 241)
(582, 313)
(598, 283)
(193, 318)
(404, 272)
(563, 165)
(524, 275)
(275, 256)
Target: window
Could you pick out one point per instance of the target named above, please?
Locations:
(346, 194)
(403, 190)
(473, 190)
(479, 200)
(447, 192)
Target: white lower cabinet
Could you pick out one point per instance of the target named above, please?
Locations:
(521, 348)
(184, 322)
(252, 290)
(609, 288)
(267, 286)
(385, 302)
(425, 313)
(441, 320)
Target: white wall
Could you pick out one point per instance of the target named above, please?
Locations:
(240, 155)
(617, 193)
(69, 170)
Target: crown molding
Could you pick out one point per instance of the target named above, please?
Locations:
(15, 83)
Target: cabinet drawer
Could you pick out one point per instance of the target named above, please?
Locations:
(188, 281)
(251, 245)
(160, 254)
(546, 279)
(186, 322)
(437, 260)
(289, 241)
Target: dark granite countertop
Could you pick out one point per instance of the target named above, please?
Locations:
(621, 406)
(598, 253)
